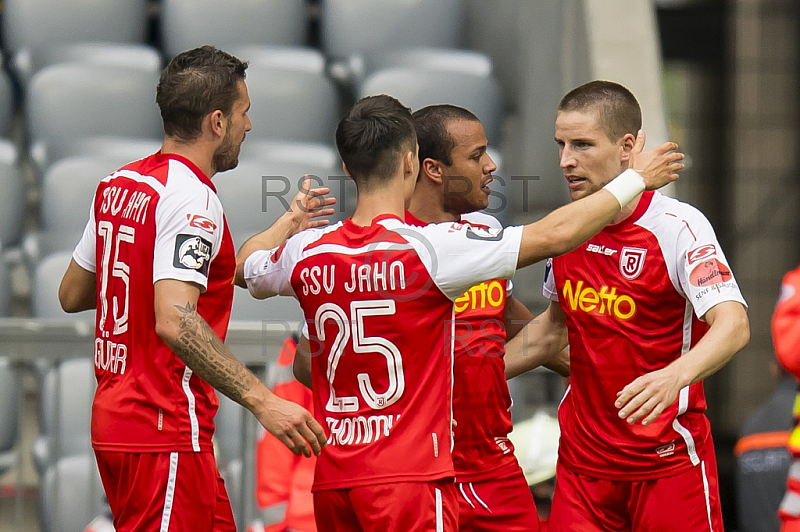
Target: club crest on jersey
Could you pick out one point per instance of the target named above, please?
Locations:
(631, 262)
(192, 252)
(481, 233)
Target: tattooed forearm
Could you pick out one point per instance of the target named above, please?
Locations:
(205, 354)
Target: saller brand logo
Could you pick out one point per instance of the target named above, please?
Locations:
(631, 262)
(701, 253)
(604, 301)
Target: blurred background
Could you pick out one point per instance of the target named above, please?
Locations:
(77, 100)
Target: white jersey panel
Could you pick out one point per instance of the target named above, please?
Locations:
(694, 259)
(85, 254)
(458, 256)
(268, 272)
(189, 228)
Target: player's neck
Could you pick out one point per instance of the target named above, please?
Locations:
(381, 201)
(626, 211)
(194, 151)
(428, 208)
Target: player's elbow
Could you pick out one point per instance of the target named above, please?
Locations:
(71, 301)
(742, 328)
(168, 330)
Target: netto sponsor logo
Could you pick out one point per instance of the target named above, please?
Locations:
(491, 294)
(605, 301)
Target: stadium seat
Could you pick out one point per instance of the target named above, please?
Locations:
(292, 103)
(281, 151)
(65, 412)
(71, 494)
(298, 58)
(186, 24)
(278, 309)
(46, 280)
(9, 415)
(6, 102)
(417, 88)
(354, 26)
(258, 191)
(138, 56)
(6, 291)
(433, 59)
(71, 100)
(120, 149)
(12, 197)
(68, 187)
(28, 24)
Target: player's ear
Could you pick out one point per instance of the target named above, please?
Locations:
(432, 169)
(217, 123)
(346, 171)
(409, 168)
(628, 141)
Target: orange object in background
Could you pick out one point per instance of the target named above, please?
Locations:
(283, 480)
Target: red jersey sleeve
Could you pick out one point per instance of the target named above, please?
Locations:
(786, 324)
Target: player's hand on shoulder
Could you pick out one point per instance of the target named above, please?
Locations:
(293, 425)
(309, 206)
(658, 166)
(648, 396)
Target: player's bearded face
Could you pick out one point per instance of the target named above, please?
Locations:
(227, 155)
(588, 158)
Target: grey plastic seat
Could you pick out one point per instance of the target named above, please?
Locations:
(71, 100)
(6, 102)
(434, 59)
(68, 187)
(355, 26)
(279, 309)
(28, 24)
(46, 280)
(291, 103)
(287, 151)
(121, 149)
(258, 191)
(12, 195)
(72, 494)
(418, 88)
(298, 58)
(186, 24)
(65, 412)
(30, 60)
(5, 287)
(9, 415)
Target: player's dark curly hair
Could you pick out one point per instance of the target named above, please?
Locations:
(372, 136)
(195, 83)
(431, 124)
(619, 111)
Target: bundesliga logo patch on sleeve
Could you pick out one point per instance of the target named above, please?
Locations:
(192, 252)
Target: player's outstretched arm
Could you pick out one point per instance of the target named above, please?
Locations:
(78, 289)
(304, 212)
(540, 343)
(568, 227)
(649, 395)
(191, 338)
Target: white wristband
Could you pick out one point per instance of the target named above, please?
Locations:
(626, 186)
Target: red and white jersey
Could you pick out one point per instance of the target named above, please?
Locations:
(481, 401)
(157, 218)
(378, 303)
(634, 296)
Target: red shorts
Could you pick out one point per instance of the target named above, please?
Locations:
(398, 507)
(498, 504)
(687, 502)
(174, 492)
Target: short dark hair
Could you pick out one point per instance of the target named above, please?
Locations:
(195, 83)
(372, 135)
(617, 106)
(431, 122)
